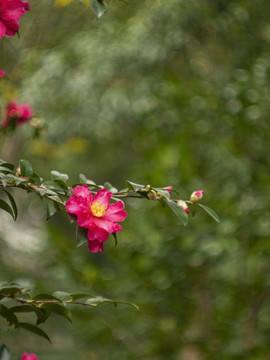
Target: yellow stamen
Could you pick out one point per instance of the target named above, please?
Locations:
(98, 209)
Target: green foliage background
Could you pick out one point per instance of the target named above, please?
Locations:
(160, 92)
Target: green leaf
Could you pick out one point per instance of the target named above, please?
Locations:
(34, 329)
(133, 186)
(44, 297)
(108, 186)
(8, 315)
(4, 206)
(52, 185)
(115, 238)
(57, 175)
(58, 309)
(84, 180)
(211, 212)
(6, 164)
(100, 300)
(81, 236)
(98, 7)
(61, 183)
(13, 204)
(64, 296)
(4, 353)
(51, 208)
(179, 212)
(11, 289)
(26, 168)
(17, 179)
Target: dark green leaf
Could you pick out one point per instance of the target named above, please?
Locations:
(58, 309)
(98, 7)
(53, 185)
(211, 212)
(61, 183)
(6, 164)
(179, 212)
(44, 297)
(6, 207)
(51, 209)
(26, 168)
(8, 315)
(81, 236)
(34, 329)
(4, 353)
(13, 204)
(115, 238)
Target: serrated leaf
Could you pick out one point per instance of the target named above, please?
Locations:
(4, 206)
(11, 289)
(210, 212)
(179, 212)
(133, 186)
(57, 175)
(98, 7)
(26, 168)
(34, 329)
(58, 309)
(13, 204)
(4, 353)
(81, 236)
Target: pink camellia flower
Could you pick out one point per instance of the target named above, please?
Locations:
(196, 196)
(10, 12)
(183, 205)
(17, 113)
(26, 356)
(2, 73)
(96, 214)
(168, 188)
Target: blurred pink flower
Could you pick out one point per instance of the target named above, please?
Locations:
(26, 356)
(10, 12)
(96, 214)
(2, 73)
(17, 113)
(196, 196)
(168, 188)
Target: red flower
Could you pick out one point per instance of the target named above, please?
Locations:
(10, 12)
(17, 113)
(96, 215)
(26, 356)
(2, 73)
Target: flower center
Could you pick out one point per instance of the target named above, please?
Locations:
(98, 209)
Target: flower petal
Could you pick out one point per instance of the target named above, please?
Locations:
(95, 246)
(95, 233)
(103, 196)
(83, 191)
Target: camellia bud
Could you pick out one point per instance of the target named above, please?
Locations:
(183, 205)
(152, 195)
(168, 188)
(18, 171)
(196, 196)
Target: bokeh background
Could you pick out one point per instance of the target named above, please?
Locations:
(158, 92)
